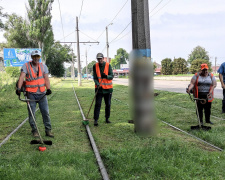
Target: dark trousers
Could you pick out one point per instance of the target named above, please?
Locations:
(223, 101)
(98, 102)
(206, 107)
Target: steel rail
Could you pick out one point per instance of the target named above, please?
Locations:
(193, 136)
(95, 149)
(183, 130)
(18, 127)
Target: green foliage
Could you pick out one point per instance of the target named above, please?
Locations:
(198, 53)
(17, 33)
(180, 66)
(196, 65)
(120, 58)
(68, 72)
(57, 55)
(2, 15)
(154, 66)
(40, 29)
(89, 68)
(169, 154)
(167, 66)
(13, 71)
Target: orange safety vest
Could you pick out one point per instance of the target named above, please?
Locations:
(196, 88)
(104, 83)
(33, 82)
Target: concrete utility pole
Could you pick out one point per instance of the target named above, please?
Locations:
(72, 67)
(215, 64)
(86, 63)
(142, 69)
(107, 42)
(78, 55)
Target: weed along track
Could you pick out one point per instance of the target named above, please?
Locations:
(176, 128)
(93, 144)
(20, 125)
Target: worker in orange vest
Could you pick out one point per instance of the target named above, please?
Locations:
(103, 75)
(37, 80)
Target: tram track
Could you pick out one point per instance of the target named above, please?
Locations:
(19, 126)
(176, 128)
(93, 144)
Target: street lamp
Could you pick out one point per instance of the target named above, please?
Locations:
(107, 43)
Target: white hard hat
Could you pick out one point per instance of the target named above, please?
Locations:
(36, 52)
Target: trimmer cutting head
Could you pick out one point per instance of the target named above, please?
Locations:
(39, 142)
(205, 128)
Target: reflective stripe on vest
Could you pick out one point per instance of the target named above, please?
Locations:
(33, 82)
(196, 88)
(104, 83)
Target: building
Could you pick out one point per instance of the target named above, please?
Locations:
(157, 69)
(214, 71)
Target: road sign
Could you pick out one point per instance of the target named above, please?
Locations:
(17, 57)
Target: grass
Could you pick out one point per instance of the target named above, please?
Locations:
(167, 155)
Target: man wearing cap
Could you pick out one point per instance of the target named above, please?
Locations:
(221, 72)
(37, 80)
(203, 84)
(103, 75)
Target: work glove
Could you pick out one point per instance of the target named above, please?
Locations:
(18, 91)
(48, 92)
(103, 75)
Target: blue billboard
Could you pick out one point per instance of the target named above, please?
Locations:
(17, 57)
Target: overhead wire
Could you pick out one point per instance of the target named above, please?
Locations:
(81, 8)
(61, 20)
(114, 18)
(156, 6)
(88, 36)
(121, 32)
(123, 36)
(160, 8)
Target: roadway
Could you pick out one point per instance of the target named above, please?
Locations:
(172, 86)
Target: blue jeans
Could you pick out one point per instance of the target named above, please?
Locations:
(43, 106)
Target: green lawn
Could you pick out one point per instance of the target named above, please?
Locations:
(167, 155)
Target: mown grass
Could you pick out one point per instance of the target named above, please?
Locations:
(167, 155)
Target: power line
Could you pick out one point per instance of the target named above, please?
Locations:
(121, 32)
(156, 6)
(61, 21)
(123, 36)
(119, 11)
(67, 35)
(114, 18)
(81, 8)
(88, 36)
(161, 8)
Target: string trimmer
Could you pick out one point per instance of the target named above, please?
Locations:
(86, 121)
(41, 141)
(199, 126)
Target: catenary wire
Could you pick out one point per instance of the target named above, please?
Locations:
(61, 21)
(81, 8)
(156, 6)
(121, 32)
(161, 8)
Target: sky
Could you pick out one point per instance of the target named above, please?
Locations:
(176, 26)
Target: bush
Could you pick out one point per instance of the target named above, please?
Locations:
(13, 71)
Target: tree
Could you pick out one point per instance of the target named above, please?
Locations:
(17, 32)
(89, 68)
(120, 58)
(180, 66)
(68, 72)
(57, 55)
(39, 15)
(167, 66)
(198, 53)
(195, 65)
(2, 15)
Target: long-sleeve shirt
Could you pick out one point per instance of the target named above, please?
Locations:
(110, 77)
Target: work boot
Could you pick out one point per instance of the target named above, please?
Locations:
(210, 122)
(107, 121)
(96, 123)
(35, 134)
(48, 133)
